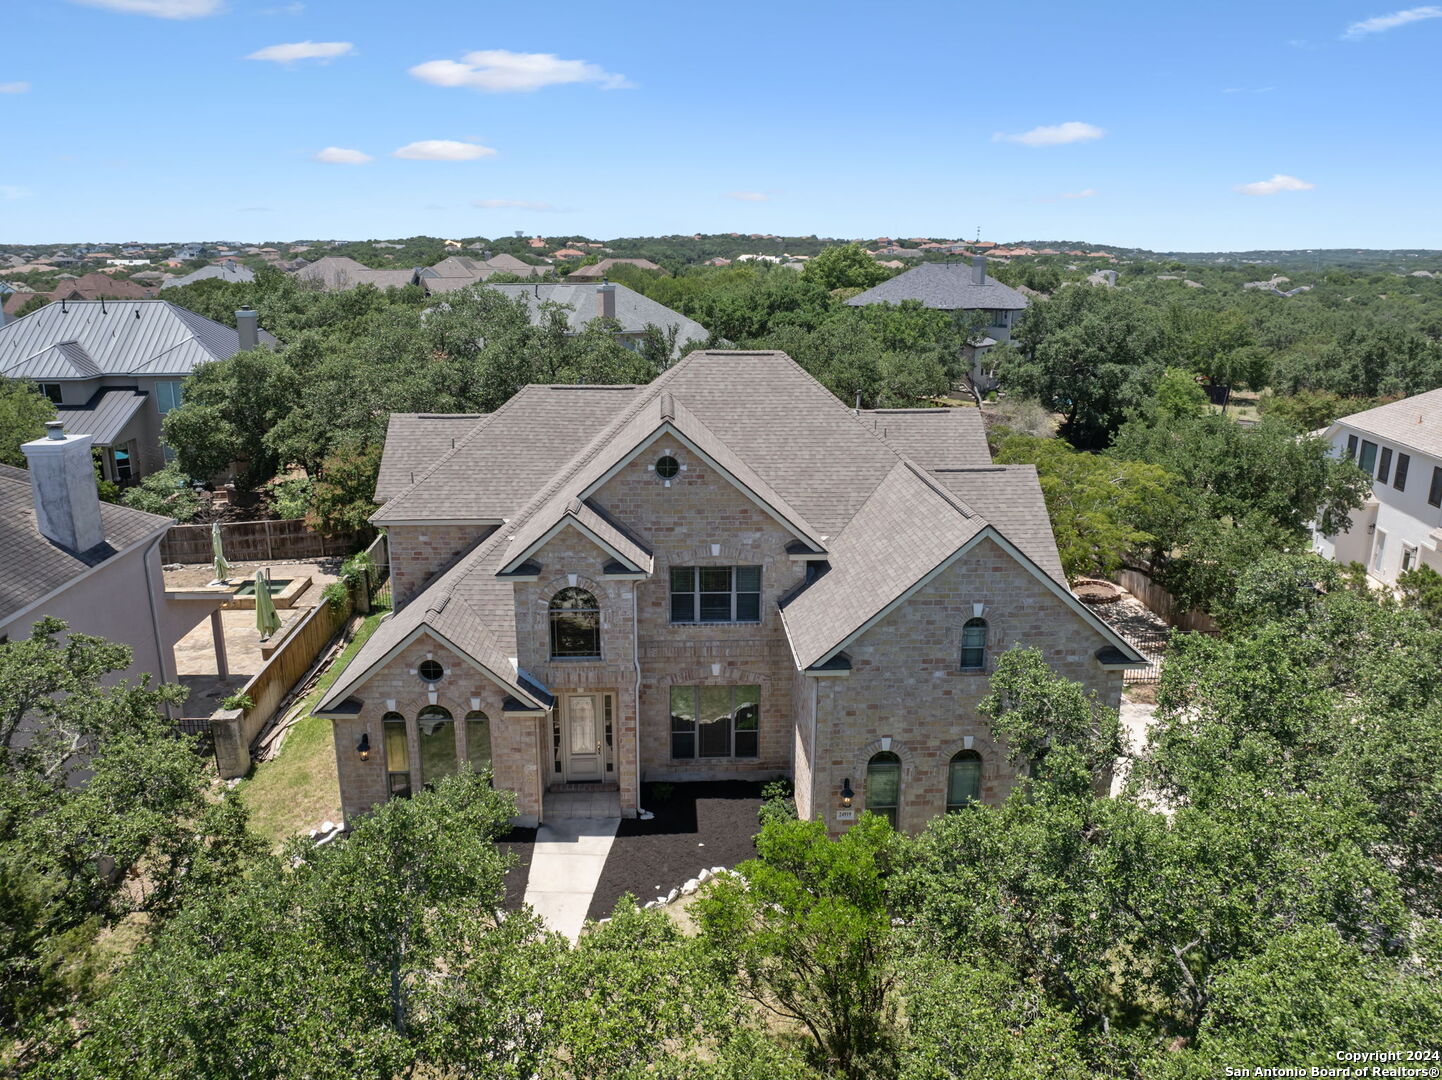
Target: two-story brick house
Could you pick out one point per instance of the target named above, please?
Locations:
(723, 574)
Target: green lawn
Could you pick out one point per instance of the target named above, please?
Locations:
(298, 790)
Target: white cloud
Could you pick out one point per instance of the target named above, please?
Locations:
(443, 150)
(303, 50)
(511, 204)
(1084, 193)
(1053, 135)
(748, 196)
(161, 9)
(499, 71)
(13, 191)
(1378, 23)
(339, 155)
(1280, 182)
(14, 87)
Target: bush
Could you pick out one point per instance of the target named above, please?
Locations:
(168, 493)
(289, 497)
(778, 803)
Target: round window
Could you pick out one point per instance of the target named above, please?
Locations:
(667, 467)
(430, 671)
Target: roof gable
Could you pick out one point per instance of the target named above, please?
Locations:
(946, 286)
(1414, 422)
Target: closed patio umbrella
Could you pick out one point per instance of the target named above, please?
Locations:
(266, 620)
(222, 568)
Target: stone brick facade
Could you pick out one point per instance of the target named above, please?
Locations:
(905, 692)
(516, 745)
(906, 686)
(418, 552)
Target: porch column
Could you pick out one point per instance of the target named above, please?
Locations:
(217, 632)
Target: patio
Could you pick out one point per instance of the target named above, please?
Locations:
(200, 665)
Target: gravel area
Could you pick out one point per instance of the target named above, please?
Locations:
(698, 826)
(522, 844)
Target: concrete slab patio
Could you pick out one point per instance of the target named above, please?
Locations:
(566, 865)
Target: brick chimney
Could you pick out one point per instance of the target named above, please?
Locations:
(978, 269)
(247, 325)
(606, 300)
(62, 480)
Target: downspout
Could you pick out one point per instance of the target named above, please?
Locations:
(636, 662)
(815, 756)
(155, 617)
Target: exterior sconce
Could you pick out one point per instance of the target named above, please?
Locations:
(846, 793)
(363, 748)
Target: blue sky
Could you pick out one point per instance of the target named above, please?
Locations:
(1114, 122)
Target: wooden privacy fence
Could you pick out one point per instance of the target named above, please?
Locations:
(253, 541)
(1139, 583)
(233, 730)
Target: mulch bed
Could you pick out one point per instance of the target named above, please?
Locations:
(700, 825)
(522, 844)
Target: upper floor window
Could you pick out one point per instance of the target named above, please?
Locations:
(883, 785)
(999, 319)
(715, 594)
(1384, 464)
(1434, 493)
(963, 780)
(973, 645)
(1367, 460)
(168, 395)
(52, 391)
(575, 625)
(1399, 478)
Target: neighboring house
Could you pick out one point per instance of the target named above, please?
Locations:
(234, 272)
(629, 308)
(96, 565)
(460, 271)
(114, 368)
(960, 288)
(337, 272)
(598, 271)
(725, 574)
(1400, 526)
(96, 286)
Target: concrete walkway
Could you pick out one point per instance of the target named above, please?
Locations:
(566, 866)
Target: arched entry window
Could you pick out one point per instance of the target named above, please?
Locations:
(973, 645)
(437, 732)
(478, 740)
(398, 754)
(575, 626)
(963, 780)
(883, 785)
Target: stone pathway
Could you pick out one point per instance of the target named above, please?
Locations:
(566, 865)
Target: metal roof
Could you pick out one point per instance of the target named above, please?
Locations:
(104, 416)
(84, 339)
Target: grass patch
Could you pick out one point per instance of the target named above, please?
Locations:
(299, 789)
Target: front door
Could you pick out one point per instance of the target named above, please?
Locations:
(581, 738)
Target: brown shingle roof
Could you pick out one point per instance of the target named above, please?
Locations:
(415, 442)
(934, 438)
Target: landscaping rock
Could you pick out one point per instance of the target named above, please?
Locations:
(690, 887)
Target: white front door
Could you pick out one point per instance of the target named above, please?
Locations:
(581, 738)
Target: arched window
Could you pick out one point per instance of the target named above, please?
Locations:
(973, 645)
(575, 625)
(437, 732)
(883, 785)
(478, 740)
(963, 780)
(398, 754)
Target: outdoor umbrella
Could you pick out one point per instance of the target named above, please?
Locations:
(222, 568)
(266, 620)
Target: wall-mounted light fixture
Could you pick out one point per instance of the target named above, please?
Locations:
(363, 748)
(846, 793)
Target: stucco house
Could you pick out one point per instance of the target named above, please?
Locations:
(96, 565)
(725, 573)
(1399, 528)
(114, 368)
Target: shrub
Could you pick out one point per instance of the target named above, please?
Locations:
(289, 497)
(167, 492)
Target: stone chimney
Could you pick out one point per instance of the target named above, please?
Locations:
(978, 269)
(606, 300)
(62, 479)
(247, 325)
